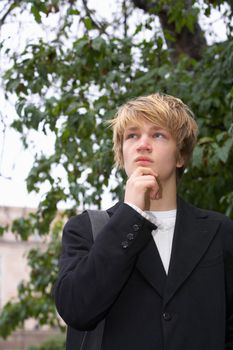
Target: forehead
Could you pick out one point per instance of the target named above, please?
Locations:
(143, 124)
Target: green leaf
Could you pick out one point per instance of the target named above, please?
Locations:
(224, 151)
(98, 44)
(73, 12)
(36, 14)
(205, 140)
(3, 229)
(88, 23)
(159, 43)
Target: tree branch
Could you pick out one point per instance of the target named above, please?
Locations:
(100, 26)
(190, 43)
(10, 8)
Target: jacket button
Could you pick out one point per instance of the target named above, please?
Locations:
(136, 227)
(130, 236)
(125, 244)
(167, 316)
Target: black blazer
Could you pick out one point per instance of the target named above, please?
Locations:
(120, 277)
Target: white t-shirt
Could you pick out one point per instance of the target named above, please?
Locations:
(163, 236)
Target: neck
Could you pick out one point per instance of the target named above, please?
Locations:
(167, 200)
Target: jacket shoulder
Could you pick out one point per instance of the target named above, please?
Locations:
(80, 224)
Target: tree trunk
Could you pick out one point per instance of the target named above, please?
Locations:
(190, 43)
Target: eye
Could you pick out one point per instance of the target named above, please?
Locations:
(158, 135)
(131, 136)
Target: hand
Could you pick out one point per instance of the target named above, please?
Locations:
(142, 186)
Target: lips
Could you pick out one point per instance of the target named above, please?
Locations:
(143, 159)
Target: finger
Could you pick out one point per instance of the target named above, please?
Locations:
(158, 195)
(159, 192)
(152, 194)
(152, 187)
(143, 171)
(156, 192)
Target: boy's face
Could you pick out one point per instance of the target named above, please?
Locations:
(150, 146)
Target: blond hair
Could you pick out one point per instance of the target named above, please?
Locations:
(163, 111)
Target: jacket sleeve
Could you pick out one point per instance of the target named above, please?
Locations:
(228, 267)
(93, 274)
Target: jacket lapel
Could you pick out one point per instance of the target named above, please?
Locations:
(149, 263)
(193, 234)
(151, 267)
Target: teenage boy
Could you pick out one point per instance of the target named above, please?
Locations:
(160, 271)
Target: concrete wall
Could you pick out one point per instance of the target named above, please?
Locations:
(21, 340)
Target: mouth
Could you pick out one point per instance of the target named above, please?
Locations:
(144, 160)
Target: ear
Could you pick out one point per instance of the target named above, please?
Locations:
(180, 161)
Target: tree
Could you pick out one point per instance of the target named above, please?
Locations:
(71, 85)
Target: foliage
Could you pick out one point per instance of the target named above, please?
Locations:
(35, 296)
(71, 84)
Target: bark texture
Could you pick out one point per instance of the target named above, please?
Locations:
(190, 43)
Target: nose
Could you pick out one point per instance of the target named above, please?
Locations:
(144, 144)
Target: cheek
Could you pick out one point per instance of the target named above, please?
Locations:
(168, 160)
(124, 154)
(169, 154)
(126, 160)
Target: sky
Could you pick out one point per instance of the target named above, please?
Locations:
(15, 162)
